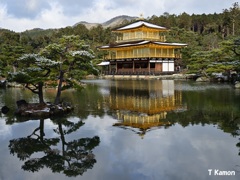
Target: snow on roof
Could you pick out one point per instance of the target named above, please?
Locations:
(139, 24)
(124, 45)
(104, 63)
(170, 44)
(141, 43)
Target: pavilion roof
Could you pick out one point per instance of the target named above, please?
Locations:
(139, 24)
(142, 42)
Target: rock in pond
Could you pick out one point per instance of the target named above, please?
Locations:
(237, 85)
(42, 109)
(3, 83)
(5, 109)
(203, 79)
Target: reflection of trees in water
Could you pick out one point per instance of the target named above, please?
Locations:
(72, 159)
(220, 108)
(87, 102)
(226, 120)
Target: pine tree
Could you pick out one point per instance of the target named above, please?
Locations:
(32, 71)
(73, 56)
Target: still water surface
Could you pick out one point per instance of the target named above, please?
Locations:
(126, 130)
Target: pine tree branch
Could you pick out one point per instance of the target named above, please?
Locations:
(35, 91)
(235, 51)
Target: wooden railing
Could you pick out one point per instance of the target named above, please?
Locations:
(109, 57)
(142, 72)
(148, 38)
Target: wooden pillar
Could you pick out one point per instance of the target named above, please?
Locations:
(109, 68)
(133, 66)
(149, 67)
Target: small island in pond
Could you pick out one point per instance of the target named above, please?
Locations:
(58, 63)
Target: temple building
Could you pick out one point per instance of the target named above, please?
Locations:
(141, 48)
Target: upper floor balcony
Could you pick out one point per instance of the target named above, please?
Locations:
(144, 53)
(139, 35)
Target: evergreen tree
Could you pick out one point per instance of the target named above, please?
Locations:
(32, 71)
(73, 56)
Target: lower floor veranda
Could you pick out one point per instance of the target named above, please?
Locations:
(141, 66)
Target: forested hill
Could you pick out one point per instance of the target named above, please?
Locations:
(226, 23)
(205, 33)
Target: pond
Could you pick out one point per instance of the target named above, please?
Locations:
(126, 129)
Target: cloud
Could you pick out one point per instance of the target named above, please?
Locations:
(75, 7)
(52, 17)
(103, 10)
(197, 7)
(5, 130)
(25, 8)
(19, 15)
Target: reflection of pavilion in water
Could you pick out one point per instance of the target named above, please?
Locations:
(144, 104)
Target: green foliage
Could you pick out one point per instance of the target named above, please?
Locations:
(10, 50)
(74, 58)
(201, 32)
(222, 59)
(32, 68)
(32, 71)
(73, 54)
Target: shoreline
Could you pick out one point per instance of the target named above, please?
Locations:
(173, 76)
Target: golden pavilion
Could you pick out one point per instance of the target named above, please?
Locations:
(141, 48)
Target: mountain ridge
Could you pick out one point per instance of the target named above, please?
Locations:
(110, 23)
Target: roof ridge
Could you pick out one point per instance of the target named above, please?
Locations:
(139, 24)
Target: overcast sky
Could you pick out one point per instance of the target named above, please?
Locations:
(20, 15)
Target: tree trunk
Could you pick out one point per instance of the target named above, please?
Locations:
(41, 126)
(62, 138)
(40, 92)
(233, 31)
(59, 89)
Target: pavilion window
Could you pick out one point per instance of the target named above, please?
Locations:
(129, 54)
(158, 52)
(127, 65)
(146, 52)
(120, 54)
(151, 35)
(135, 52)
(131, 35)
(119, 36)
(144, 35)
(125, 54)
(125, 36)
(152, 65)
(141, 65)
(120, 66)
(152, 52)
(140, 52)
(155, 35)
(171, 52)
(113, 55)
(139, 35)
(164, 52)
